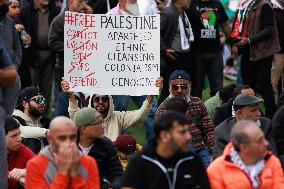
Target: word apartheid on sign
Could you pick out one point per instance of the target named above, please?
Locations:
(112, 55)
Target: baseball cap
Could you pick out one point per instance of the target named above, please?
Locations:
(26, 94)
(87, 116)
(179, 74)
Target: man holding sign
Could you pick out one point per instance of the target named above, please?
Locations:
(113, 121)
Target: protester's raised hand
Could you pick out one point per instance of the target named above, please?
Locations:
(159, 82)
(65, 86)
(62, 159)
(75, 157)
(16, 174)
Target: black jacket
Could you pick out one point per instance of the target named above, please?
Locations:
(278, 129)
(223, 112)
(222, 134)
(147, 170)
(29, 18)
(110, 169)
(168, 27)
(56, 39)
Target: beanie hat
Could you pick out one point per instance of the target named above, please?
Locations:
(87, 116)
(179, 74)
(125, 144)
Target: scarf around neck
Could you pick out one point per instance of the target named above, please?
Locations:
(241, 22)
(253, 171)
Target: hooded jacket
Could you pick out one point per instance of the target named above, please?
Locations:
(32, 132)
(116, 121)
(224, 174)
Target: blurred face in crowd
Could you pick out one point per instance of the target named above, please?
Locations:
(186, 3)
(35, 106)
(180, 87)
(178, 138)
(247, 91)
(248, 113)
(257, 148)
(14, 9)
(77, 6)
(130, 6)
(63, 132)
(13, 140)
(101, 103)
(93, 131)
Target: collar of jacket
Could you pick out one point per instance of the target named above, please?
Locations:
(228, 157)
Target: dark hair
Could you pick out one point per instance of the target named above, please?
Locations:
(166, 120)
(227, 92)
(238, 89)
(11, 124)
(176, 104)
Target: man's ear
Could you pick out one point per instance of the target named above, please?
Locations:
(164, 136)
(25, 104)
(243, 147)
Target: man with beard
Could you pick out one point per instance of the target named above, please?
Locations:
(29, 112)
(166, 161)
(202, 126)
(93, 143)
(246, 108)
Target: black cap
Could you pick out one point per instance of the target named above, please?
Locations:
(27, 94)
(246, 100)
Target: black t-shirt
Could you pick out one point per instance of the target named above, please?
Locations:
(205, 18)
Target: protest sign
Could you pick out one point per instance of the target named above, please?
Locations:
(114, 55)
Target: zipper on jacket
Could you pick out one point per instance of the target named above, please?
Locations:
(164, 170)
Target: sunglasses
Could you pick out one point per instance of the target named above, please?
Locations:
(102, 98)
(39, 100)
(183, 87)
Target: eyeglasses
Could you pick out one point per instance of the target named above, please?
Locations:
(102, 98)
(39, 100)
(183, 87)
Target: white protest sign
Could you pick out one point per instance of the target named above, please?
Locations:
(112, 55)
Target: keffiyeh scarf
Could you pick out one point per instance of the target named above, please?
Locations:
(253, 171)
(241, 22)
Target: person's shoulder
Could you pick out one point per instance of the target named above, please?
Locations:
(87, 160)
(264, 120)
(26, 151)
(195, 99)
(218, 163)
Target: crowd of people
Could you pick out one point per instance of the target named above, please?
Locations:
(52, 137)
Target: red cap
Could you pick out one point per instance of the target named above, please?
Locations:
(126, 144)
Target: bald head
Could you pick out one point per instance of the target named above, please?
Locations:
(248, 139)
(62, 131)
(61, 123)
